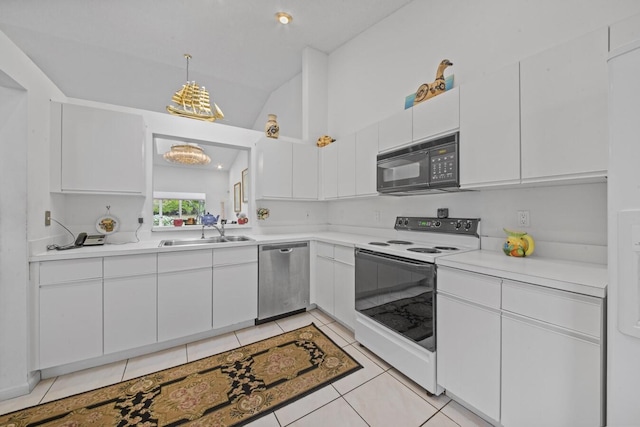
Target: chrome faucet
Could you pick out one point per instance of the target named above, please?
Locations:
(220, 229)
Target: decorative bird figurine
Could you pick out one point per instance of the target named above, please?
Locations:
(429, 90)
(324, 140)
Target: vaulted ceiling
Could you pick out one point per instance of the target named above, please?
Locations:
(130, 52)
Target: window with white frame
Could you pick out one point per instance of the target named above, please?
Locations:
(168, 206)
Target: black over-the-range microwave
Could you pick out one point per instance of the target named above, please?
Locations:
(420, 168)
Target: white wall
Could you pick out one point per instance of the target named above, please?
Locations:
(573, 214)
(235, 175)
(214, 184)
(286, 103)
(24, 195)
(370, 75)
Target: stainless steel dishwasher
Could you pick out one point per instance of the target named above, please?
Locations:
(283, 280)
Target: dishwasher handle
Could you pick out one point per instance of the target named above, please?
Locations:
(283, 248)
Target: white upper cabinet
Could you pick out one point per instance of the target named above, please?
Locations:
(346, 165)
(305, 171)
(329, 172)
(437, 116)
(365, 167)
(564, 111)
(395, 131)
(490, 130)
(96, 151)
(286, 170)
(275, 171)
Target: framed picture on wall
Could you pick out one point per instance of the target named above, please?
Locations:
(237, 197)
(245, 186)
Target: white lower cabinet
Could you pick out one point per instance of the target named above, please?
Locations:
(552, 357)
(344, 286)
(130, 302)
(70, 322)
(549, 377)
(184, 303)
(468, 334)
(235, 286)
(521, 354)
(184, 293)
(335, 282)
(70, 311)
(98, 306)
(324, 284)
(129, 312)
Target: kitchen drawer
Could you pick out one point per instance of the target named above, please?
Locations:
(324, 250)
(240, 255)
(130, 265)
(569, 310)
(478, 288)
(184, 260)
(52, 272)
(344, 254)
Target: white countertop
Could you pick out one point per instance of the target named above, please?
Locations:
(585, 278)
(152, 246)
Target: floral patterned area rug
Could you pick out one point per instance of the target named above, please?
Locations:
(228, 389)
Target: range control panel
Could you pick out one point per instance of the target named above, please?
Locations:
(467, 226)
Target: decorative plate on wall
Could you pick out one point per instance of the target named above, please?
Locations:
(107, 224)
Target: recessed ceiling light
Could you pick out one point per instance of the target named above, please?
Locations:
(219, 166)
(283, 18)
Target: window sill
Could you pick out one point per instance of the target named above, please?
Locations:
(199, 227)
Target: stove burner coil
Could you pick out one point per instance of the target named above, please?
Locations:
(446, 248)
(399, 242)
(379, 243)
(424, 250)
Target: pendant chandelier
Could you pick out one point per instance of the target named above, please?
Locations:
(187, 154)
(193, 101)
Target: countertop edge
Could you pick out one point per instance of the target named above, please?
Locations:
(579, 277)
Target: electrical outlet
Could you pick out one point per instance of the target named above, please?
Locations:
(376, 216)
(47, 218)
(140, 220)
(523, 218)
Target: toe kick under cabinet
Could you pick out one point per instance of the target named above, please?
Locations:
(521, 354)
(92, 307)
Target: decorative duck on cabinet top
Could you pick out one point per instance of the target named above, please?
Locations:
(429, 90)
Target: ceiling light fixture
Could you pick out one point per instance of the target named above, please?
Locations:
(284, 18)
(193, 101)
(187, 154)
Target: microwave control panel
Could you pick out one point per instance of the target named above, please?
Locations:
(444, 164)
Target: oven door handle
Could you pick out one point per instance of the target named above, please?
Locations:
(392, 259)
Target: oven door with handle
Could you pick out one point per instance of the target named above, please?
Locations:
(398, 293)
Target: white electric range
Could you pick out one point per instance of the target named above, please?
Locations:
(396, 282)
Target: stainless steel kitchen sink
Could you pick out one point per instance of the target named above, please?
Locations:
(207, 241)
(237, 238)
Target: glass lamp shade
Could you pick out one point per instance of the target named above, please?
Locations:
(187, 154)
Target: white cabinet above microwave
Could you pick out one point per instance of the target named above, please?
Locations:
(434, 117)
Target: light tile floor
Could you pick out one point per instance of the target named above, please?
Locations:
(377, 395)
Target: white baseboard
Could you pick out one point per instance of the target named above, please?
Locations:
(20, 390)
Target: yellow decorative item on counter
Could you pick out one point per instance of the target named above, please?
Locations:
(518, 244)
